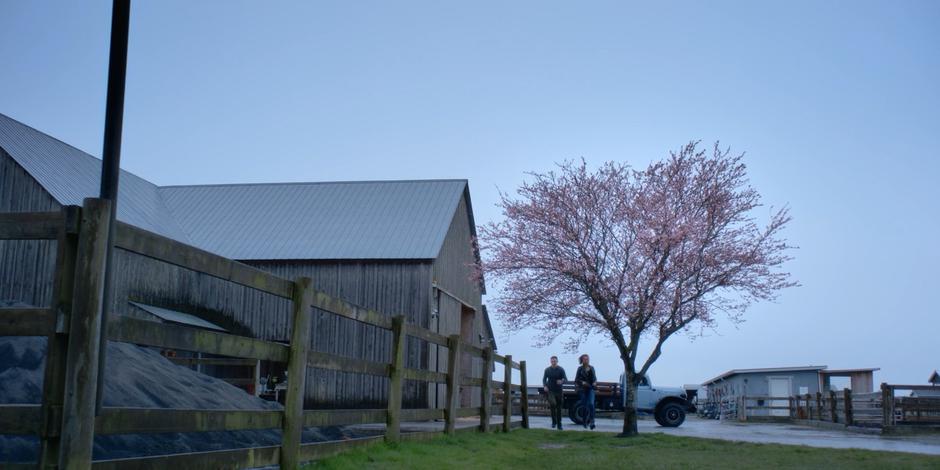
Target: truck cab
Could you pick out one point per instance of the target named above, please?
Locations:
(668, 405)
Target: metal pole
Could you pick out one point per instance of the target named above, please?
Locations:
(111, 156)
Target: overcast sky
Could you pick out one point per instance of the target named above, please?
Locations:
(837, 105)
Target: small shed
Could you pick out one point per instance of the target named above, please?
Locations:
(933, 380)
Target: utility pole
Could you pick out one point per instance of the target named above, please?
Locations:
(111, 160)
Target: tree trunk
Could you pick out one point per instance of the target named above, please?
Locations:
(629, 409)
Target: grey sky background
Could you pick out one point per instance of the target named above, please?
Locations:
(836, 104)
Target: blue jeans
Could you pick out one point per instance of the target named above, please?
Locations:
(586, 396)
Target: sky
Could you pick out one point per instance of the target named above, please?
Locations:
(836, 104)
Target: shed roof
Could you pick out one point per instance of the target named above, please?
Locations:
(733, 372)
(331, 220)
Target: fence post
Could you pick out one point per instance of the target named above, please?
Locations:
(57, 341)
(887, 406)
(742, 413)
(507, 392)
(81, 372)
(524, 395)
(848, 407)
(393, 421)
(834, 406)
(809, 406)
(453, 383)
(293, 425)
(790, 407)
(486, 391)
(819, 407)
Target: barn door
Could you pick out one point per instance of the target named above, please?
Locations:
(779, 387)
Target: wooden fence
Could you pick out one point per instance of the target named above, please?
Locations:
(66, 422)
(866, 410)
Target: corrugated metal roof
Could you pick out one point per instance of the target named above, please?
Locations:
(344, 220)
(335, 220)
(70, 175)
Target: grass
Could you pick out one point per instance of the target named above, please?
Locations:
(541, 448)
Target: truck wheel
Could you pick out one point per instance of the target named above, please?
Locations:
(577, 412)
(670, 415)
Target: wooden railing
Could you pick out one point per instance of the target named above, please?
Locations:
(883, 409)
(66, 422)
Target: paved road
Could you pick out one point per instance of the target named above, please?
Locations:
(767, 433)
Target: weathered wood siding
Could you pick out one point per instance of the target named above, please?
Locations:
(23, 262)
(452, 271)
(389, 287)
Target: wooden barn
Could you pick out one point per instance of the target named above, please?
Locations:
(398, 247)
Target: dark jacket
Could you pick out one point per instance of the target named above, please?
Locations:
(585, 378)
(551, 376)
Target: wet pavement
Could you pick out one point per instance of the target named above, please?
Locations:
(767, 433)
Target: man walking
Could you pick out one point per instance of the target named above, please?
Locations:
(552, 380)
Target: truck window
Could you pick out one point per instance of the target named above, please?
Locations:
(644, 382)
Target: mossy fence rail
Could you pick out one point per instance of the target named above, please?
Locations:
(66, 421)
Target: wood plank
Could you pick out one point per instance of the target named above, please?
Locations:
(166, 335)
(324, 301)
(507, 392)
(20, 419)
(425, 375)
(467, 412)
(471, 381)
(346, 364)
(151, 245)
(84, 339)
(486, 391)
(53, 383)
(156, 420)
(218, 460)
(316, 418)
(453, 386)
(27, 321)
(393, 421)
(31, 225)
(422, 414)
(322, 450)
(472, 350)
(297, 371)
(427, 335)
(524, 395)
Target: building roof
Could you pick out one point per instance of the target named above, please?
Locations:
(764, 371)
(848, 371)
(70, 175)
(344, 220)
(336, 220)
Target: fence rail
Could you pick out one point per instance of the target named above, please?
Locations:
(66, 424)
(883, 409)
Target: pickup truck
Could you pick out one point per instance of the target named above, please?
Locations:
(667, 404)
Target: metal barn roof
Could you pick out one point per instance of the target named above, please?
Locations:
(70, 175)
(345, 220)
(337, 220)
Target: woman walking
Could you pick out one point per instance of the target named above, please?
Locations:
(586, 381)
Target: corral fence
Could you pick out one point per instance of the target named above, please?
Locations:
(66, 422)
(892, 409)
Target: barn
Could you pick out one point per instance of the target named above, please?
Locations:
(398, 247)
